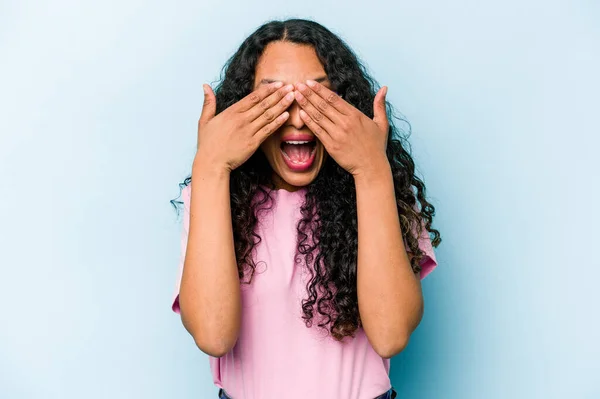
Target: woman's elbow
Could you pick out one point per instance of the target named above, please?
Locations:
(210, 337)
(391, 348)
(215, 347)
(215, 342)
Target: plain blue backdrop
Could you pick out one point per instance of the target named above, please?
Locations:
(99, 103)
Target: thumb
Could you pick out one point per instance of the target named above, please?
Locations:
(379, 110)
(209, 107)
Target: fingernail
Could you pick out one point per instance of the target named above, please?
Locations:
(278, 84)
(385, 91)
(301, 86)
(311, 83)
(289, 87)
(204, 89)
(289, 96)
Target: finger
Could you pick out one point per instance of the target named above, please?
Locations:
(379, 110)
(321, 134)
(315, 115)
(257, 96)
(270, 128)
(209, 107)
(266, 109)
(325, 106)
(269, 115)
(331, 97)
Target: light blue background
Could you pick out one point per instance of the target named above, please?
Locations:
(99, 103)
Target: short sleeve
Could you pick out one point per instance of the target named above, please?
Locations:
(186, 196)
(429, 261)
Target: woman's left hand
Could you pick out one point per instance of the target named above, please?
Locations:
(355, 141)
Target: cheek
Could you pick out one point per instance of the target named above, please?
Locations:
(269, 146)
(323, 150)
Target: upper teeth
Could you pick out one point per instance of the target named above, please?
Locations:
(297, 142)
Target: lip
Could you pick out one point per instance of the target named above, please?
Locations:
(302, 166)
(298, 137)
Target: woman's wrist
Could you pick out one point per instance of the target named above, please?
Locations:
(201, 166)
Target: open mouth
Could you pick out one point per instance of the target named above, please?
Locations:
(299, 155)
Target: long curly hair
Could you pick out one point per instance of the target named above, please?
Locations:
(328, 231)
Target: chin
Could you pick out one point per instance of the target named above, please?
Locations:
(295, 180)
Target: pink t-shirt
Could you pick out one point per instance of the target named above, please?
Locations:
(276, 355)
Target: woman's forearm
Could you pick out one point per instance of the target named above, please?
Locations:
(389, 293)
(210, 300)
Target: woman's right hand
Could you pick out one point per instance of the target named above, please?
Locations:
(229, 139)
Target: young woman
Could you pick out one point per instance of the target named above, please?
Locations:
(306, 230)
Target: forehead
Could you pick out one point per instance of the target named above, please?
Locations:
(289, 63)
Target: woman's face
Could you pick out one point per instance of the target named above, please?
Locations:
(293, 151)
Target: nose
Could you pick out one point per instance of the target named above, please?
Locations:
(294, 120)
